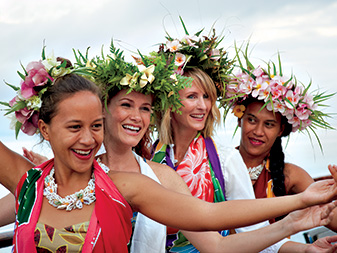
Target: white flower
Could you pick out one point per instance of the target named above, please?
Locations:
(50, 61)
(173, 45)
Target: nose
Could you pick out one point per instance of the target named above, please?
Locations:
(135, 115)
(201, 104)
(87, 137)
(258, 130)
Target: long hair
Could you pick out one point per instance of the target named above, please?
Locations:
(204, 83)
(276, 155)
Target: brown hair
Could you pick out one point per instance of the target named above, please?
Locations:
(63, 88)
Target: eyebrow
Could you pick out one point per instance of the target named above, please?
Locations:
(268, 120)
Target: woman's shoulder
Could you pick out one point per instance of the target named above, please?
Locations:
(168, 177)
(296, 178)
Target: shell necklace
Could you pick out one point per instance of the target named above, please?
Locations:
(74, 201)
(254, 172)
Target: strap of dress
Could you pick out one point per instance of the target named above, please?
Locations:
(214, 160)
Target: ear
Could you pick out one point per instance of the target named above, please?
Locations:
(44, 129)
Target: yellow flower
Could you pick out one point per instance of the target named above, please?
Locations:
(147, 76)
(238, 111)
(170, 93)
(129, 80)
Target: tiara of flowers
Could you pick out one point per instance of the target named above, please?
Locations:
(199, 51)
(280, 94)
(152, 75)
(36, 78)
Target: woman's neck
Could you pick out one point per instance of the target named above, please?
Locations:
(181, 143)
(119, 159)
(251, 160)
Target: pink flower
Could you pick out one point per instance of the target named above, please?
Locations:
(278, 91)
(215, 54)
(37, 75)
(258, 72)
(302, 113)
(278, 107)
(291, 99)
(190, 40)
(29, 120)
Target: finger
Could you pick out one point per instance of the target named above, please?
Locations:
(333, 171)
(332, 238)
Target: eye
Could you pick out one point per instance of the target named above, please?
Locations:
(206, 96)
(126, 104)
(191, 96)
(97, 126)
(251, 120)
(74, 127)
(270, 124)
(146, 108)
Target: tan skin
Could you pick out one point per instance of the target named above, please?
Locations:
(259, 130)
(153, 200)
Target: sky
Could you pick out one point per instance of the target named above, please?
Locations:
(304, 32)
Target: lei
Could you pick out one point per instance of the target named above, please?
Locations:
(152, 75)
(37, 77)
(280, 94)
(199, 51)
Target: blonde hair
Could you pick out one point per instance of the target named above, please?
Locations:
(206, 84)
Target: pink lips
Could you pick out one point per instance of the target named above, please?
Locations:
(82, 156)
(255, 141)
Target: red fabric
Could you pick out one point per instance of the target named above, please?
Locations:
(110, 224)
(113, 215)
(261, 187)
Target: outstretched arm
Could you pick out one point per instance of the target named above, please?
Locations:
(12, 167)
(7, 214)
(257, 240)
(174, 209)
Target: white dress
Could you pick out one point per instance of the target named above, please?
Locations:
(239, 186)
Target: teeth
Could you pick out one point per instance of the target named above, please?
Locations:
(81, 152)
(200, 116)
(132, 127)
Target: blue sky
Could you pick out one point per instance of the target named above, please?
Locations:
(305, 32)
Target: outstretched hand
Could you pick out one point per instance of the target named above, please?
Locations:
(320, 192)
(310, 217)
(35, 158)
(323, 245)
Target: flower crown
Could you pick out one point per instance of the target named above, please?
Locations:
(279, 93)
(200, 52)
(153, 75)
(37, 77)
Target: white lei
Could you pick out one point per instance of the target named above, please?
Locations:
(76, 200)
(254, 172)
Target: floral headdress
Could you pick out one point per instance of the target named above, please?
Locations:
(199, 51)
(153, 75)
(37, 77)
(280, 94)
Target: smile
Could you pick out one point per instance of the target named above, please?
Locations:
(132, 128)
(198, 116)
(82, 152)
(255, 141)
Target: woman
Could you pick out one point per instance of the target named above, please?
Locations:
(185, 142)
(71, 119)
(265, 115)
